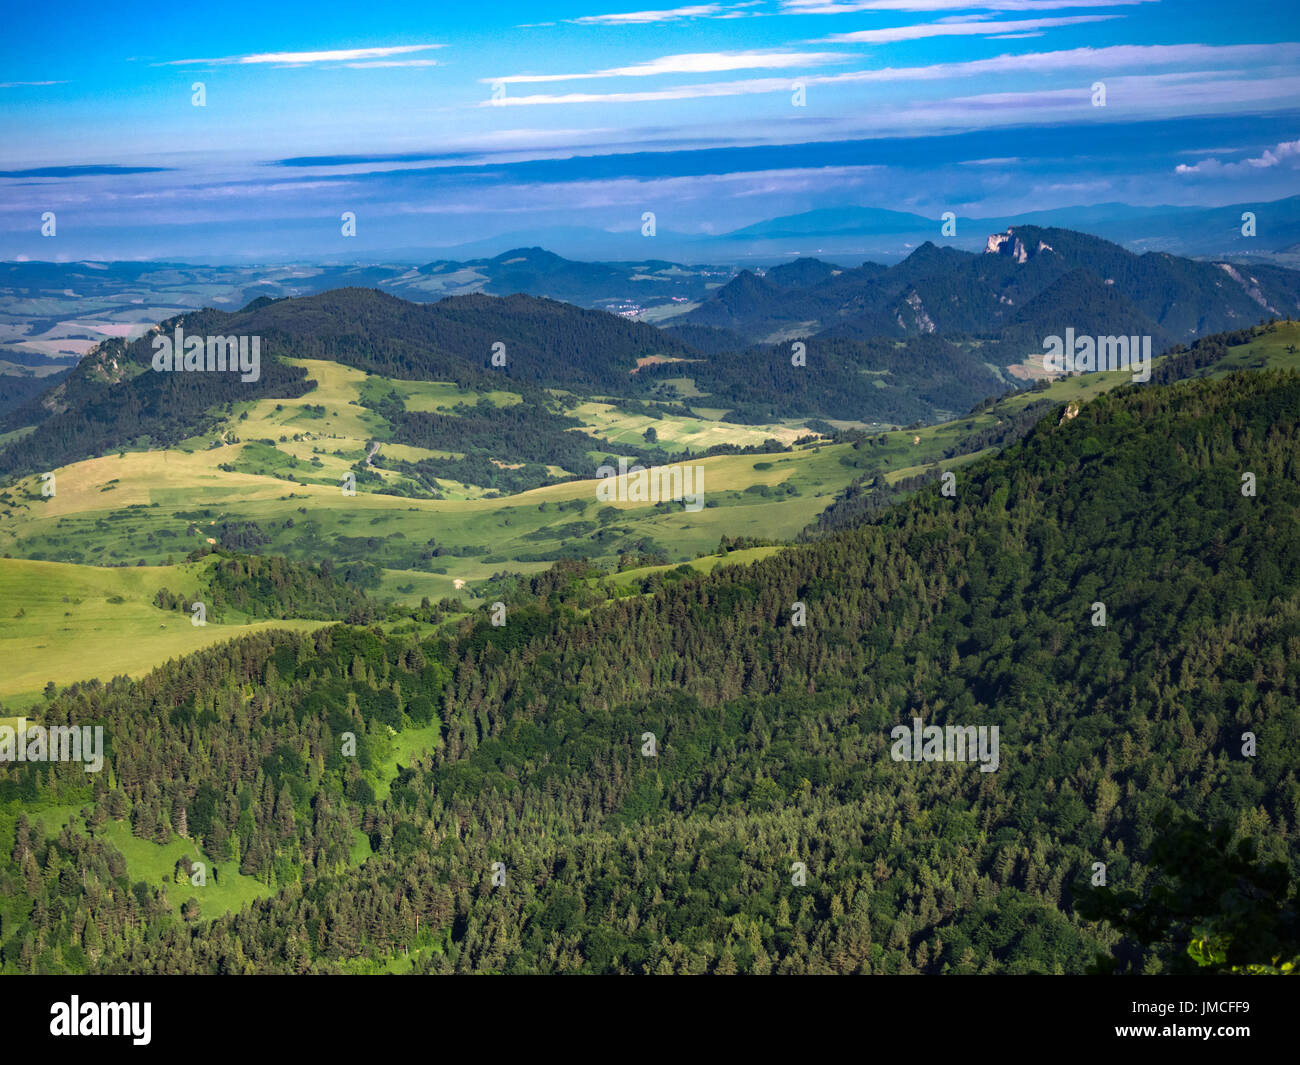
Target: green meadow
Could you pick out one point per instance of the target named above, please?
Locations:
(630, 578)
(76, 598)
(63, 623)
(155, 863)
(224, 888)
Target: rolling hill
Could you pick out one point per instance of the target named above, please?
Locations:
(121, 527)
(772, 828)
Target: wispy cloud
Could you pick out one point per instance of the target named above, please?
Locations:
(749, 87)
(690, 63)
(1182, 93)
(963, 28)
(20, 84)
(676, 14)
(841, 7)
(1112, 58)
(1286, 152)
(82, 171)
(341, 55)
(393, 63)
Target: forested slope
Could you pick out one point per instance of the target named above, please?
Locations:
(113, 398)
(773, 740)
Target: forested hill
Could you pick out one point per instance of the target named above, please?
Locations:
(113, 398)
(278, 588)
(772, 740)
(920, 341)
(1030, 282)
(546, 342)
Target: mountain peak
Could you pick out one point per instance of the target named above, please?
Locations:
(1006, 244)
(931, 258)
(531, 255)
(801, 273)
(1014, 243)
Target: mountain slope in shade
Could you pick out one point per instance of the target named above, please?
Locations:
(113, 398)
(949, 291)
(801, 273)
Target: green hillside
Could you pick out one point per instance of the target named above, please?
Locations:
(62, 623)
(773, 826)
(112, 513)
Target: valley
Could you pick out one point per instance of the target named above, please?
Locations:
(760, 488)
(122, 525)
(381, 532)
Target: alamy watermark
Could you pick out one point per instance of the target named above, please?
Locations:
(953, 743)
(1085, 354)
(58, 743)
(213, 354)
(79, 1018)
(660, 484)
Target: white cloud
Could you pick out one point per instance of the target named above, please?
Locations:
(676, 14)
(1100, 185)
(393, 63)
(1130, 96)
(971, 28)
(341, 55)
(840, 7)
(1271, 157)
(750, 86)
(690, 63)
(585, 195)
(1113, 58)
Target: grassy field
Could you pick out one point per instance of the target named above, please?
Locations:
(157, 506)
(155, 864)
(704, 564)
(408, 745)
(278, 463)
(72, 622)
(225, 890)
(1279, 350)
(427, 395)
(674, 432)
(64, 623)
(152, 507)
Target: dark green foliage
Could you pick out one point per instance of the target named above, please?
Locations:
(1039, 281)
(113, 398)
(16, 391)
(772, 742)
(281, 588)
(1215, 908)
(842, 379)
(495, 440)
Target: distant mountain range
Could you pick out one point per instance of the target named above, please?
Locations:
(853, 232)
(1189, 231)
(52, 313)
(923, 339)
(1027, 282)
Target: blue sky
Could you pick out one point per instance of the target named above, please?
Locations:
(605, 110)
